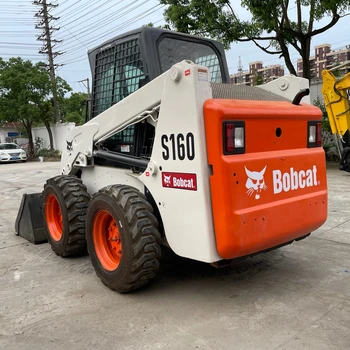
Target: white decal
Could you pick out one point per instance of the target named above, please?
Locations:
(294, 179)
(167, 180)
(125, 148)
(183, 183)
(255, 182)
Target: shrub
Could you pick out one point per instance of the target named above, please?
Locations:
(46, 153)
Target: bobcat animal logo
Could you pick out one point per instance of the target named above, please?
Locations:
(69, 145)
(255, 182)
(167, 180)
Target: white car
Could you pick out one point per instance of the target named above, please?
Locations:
(11, 152)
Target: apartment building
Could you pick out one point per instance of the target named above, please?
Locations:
(257, 74)
(326, 58)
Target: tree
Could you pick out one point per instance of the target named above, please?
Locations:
(74, 108)
(326, 126)
(258, 79)
(46, 116)
(25, 95)
(23, 86)
(271, 28)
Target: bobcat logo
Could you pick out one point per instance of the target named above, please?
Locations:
(69, 145)
(167, 180)
(255, 182)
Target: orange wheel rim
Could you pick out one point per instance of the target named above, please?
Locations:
(107, 242)
(53, 216)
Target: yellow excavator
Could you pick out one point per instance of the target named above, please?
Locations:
(336, 93)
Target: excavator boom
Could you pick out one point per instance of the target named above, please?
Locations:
(336, 97)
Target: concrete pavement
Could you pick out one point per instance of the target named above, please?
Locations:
(297, 297)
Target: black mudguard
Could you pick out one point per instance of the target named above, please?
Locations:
(30, 220)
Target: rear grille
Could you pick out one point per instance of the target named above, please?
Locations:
(243, 92)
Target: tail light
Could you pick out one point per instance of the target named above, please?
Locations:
(314, 134)
(318, 134)
(233, 137)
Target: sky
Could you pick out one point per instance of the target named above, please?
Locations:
(85, 24)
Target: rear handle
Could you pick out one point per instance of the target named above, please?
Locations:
(298, 97)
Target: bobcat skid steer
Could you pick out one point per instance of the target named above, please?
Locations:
(173, 154)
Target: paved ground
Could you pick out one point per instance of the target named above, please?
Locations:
(297, 297)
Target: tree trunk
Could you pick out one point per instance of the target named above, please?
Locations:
(28, 126)
(305, 47)
(48, 127)
(287, 60)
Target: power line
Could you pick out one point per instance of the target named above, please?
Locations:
(96, 14)
(84, 6)
(22, 44)
(119, 27)
(92, 27)
(67, 8)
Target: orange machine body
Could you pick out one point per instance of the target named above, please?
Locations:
(274, 192)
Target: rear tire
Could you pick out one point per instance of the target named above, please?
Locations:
(122, 238)
(65, 201)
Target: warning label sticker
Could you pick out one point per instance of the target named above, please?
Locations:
(202, 75)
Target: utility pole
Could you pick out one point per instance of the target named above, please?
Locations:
(87, 85)
(88, 100)
(48, 47)
(240, 71)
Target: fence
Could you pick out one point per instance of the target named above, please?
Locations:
(59, 134)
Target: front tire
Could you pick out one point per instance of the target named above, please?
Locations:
(122, 238)
(65, 201)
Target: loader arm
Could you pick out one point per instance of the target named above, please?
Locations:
(142, 104)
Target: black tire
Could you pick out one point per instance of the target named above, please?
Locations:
(73, 199)
(138, 232)
(23, 161)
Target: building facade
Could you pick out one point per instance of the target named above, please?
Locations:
(326, 58)
(257, 74)
(10, 131)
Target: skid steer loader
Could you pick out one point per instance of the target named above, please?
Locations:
(174, 155)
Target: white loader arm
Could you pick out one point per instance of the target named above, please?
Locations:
(135, 107)
(288, 86)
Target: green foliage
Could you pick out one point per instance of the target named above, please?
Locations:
(62, 88)
(73, 109)
(25, 94)
(258, 79)
(23, 86)
(326, 127)
(270, 26)
(46, 153)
